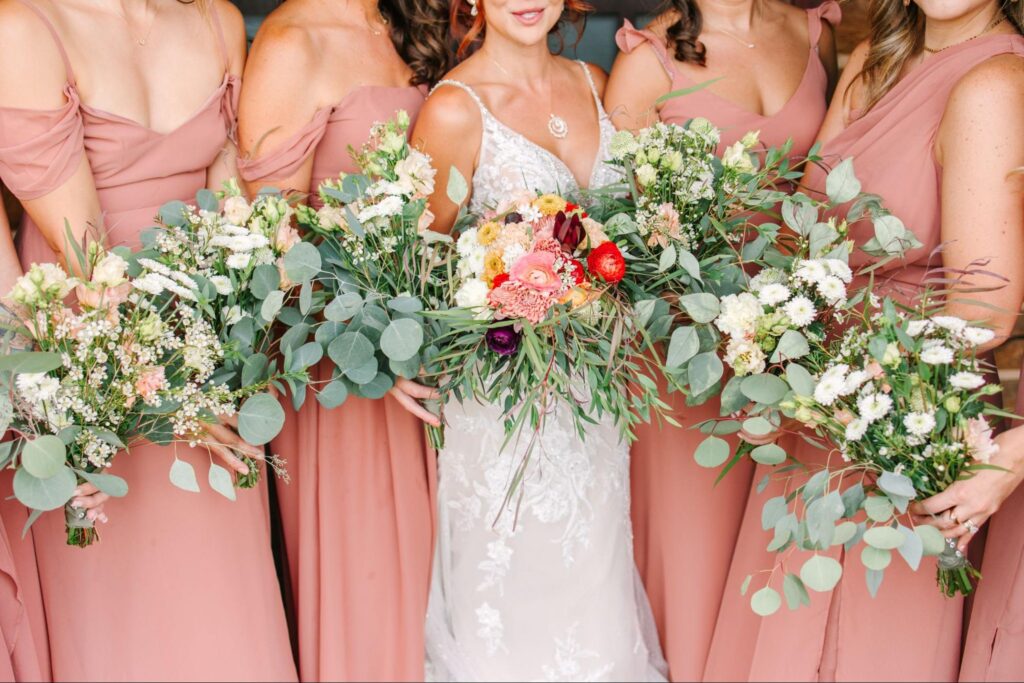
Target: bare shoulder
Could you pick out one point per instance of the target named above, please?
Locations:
(32, 72)
(599, 77)
(450, 107)
(23, 33)
(282, 45)
(1001, 76)
(232, 21)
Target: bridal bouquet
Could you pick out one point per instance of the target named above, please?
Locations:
(538, 318)
(120, 368)
(243, 269)
(902, 401)
(382, 267)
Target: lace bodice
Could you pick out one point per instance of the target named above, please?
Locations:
(510, 161)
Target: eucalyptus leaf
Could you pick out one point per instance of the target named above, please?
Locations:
(43, 456)
(332, 395)
(667, 259)
(458, 188)
(792, 345)
(795, 592)
(712, 452)
(800, 380)
(402, 339)
(841, 184)
(883, 537)
(765, 602)
(302, 263)
(307, 355)
(897, 485)
(271, 305)
(912, 549)
(689, 263)
(221, 481)
(879, 508)
(931, 539)
(183, 475)
(768, 454)
(343, 307)
(764, 388)
(821, 573)
(112, 485)
(702, 307)
(774, 509)
(351, 350)
(757, 426)
(44, 494)
(705, 370)
(844, 532)
(684, 345)
(875, 558)
(260, 419)
(874, 580)
(30, 362)
(265, 279)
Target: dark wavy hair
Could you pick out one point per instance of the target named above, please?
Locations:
(421, 34)
(684, 33)
(468, 30)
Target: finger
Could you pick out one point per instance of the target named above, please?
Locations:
(85, 490)
(223, 436)
(230, 420)
(937, 503)
(229, 458)
(423, 393)
(416, 409)
(89, 502)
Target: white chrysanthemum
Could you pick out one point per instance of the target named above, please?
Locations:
(744, 357)
(978, 335)
(949, 322)
(937, 354)
(468, 242)
(37, 387)
(855, 380)
(874, 407)
(840, 269)
(967, 380)
(238, 261)
(800, 310)
(832, 289)
(856, 429)
(739, 314)
(529, 212)
(772, 294)
(919, 424)
(916, 327)
(472, 294)
(151, 283)
(222, 284)
(831, 385)
(812, 272)
(389, 207)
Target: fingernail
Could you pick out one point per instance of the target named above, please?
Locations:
(91, 515)
(103, 518)
(76, 504)
(78, 491)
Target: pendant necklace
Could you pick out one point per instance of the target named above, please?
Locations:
(557, 126)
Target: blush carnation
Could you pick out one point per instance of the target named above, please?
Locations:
(515, 299)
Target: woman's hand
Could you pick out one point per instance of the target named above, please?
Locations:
(964, 507)
(409, 394)
(89, 498)
(223, 441)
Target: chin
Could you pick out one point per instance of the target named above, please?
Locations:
(526, 22)
(949, 10)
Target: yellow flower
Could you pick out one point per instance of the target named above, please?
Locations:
(578, 296)
(549, 204)
(487, 233)
(493, 266)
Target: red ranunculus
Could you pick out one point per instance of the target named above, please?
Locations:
(578, 274)
(606, 262)
(499, 280)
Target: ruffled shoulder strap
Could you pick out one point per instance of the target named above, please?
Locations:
(827, 11)
(630, 38)
(287, 157)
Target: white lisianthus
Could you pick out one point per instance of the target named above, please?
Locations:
(646, 175)
(937, 354)
(416, 174)
(222, 284)
(331, 217)
(919, 424)
(811, 272)
(772, 294)
(832, 289)
(832, 384)
(110, 271)
(855, 380)
(840, 269)
(766, 277)
(978, 335)
(916, 327)
(967, 380)
(472, 294)
(239, 260)
(856, 429)
(891, 357)
(737, 158)
(874, 407)
(744, 357)
(237, 210)
(800, 310)
(949, 322)
(739, 314)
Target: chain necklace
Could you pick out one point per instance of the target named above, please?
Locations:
(996, 20)
(152, 22)
(557, 126)
(742, 41)
(383, 21)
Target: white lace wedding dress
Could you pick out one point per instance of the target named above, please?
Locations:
(553, 595)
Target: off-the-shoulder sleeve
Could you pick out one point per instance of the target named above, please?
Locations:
(287, 157)
(630, 38)
(40, 149)
(827, 11)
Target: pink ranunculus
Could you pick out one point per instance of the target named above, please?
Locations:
(979, 440)
(536, 270)
(149, 382)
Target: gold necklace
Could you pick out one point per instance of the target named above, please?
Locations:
(384, 23)
(996, 20)
(742, 41)
(152, 22)
(557, 126)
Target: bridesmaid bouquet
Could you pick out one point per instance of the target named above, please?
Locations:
(121, 368)
(537, 318)
(243, 269)
(902, 401)
(382, 267)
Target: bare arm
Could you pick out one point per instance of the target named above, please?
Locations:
(827, 53)
(10, 268)
(275, 102)
(449, 115)
(845, 98)
(233, 24)
(637, 81)
(32, 76)
(980, 142)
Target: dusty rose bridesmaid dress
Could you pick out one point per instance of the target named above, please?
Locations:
(685, 526)
(182, 586)
(22, 621)
(358, 513)
(911, 631)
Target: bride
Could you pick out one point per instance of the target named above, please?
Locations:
(551, 593)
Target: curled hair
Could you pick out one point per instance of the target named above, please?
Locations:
(420, 32)
(468, 30)
(684, 33)
(897, 34)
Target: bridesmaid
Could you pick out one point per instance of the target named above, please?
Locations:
(182, 587)
(22, 623)
(929, 107)
(358, 512)
(677, 507)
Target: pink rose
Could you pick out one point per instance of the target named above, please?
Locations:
(149, 382)
(537, 271)
(979, 440)
(286, 238)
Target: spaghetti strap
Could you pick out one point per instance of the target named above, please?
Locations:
(827, 11)
(69, 72)
(469, 91)
(593, 86)
(630, 38)
(219, 30)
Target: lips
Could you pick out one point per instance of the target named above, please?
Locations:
(529, 17)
